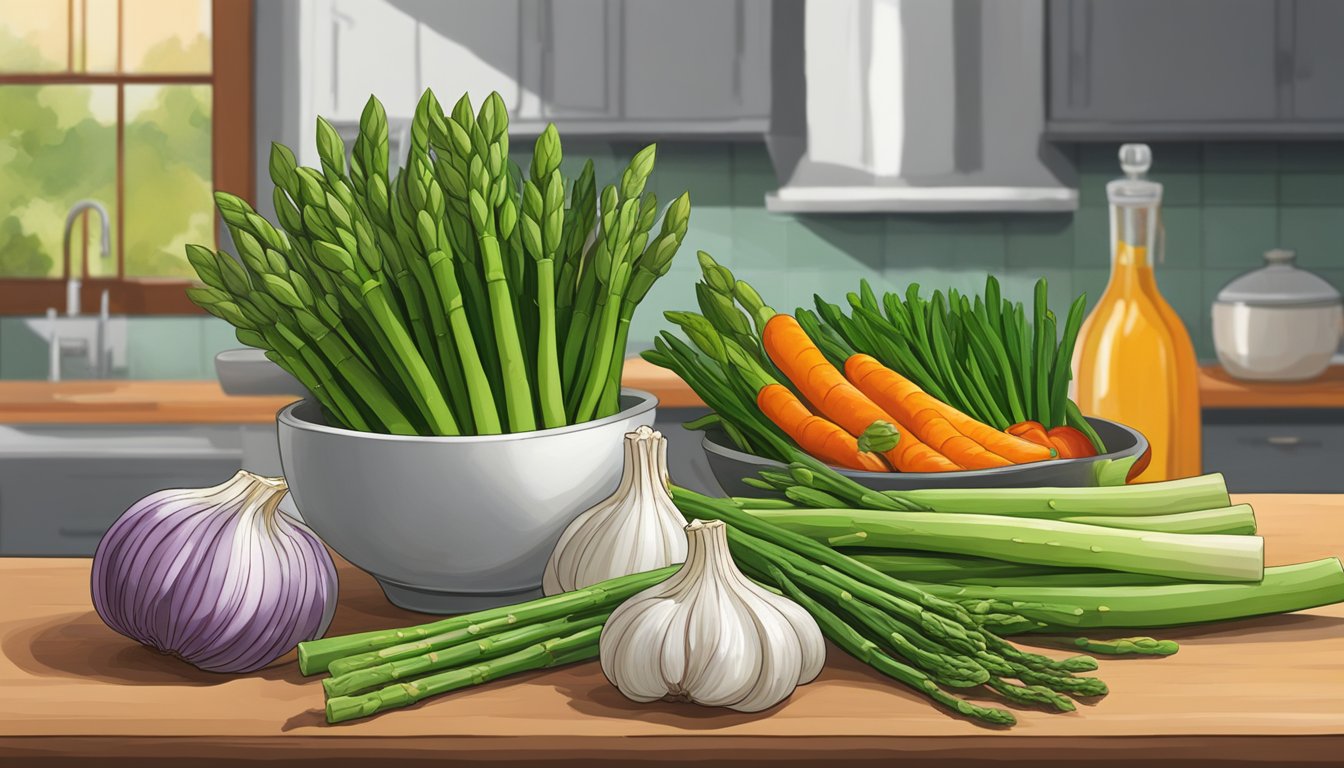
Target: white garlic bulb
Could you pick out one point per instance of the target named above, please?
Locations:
(710, 635)
(636, 529)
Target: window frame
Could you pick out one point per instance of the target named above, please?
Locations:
(232, 160)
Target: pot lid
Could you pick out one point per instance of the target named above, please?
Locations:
(1279, 283)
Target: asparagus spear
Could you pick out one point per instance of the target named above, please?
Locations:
(542, 230)
(869, 653)
(1127, 646)
(316, 655)
(482, 649)
(580, 646)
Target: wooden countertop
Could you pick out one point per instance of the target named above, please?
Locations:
(203, 402)
(1268, 690)
(1216, 389)
(1219, 390)
(132, 402)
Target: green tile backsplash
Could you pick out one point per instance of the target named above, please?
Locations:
(1225, 203)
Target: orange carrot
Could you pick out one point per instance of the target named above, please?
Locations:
(1033, 431)
(1010, 447)
(817, 436)
(827, 390)
(898, 396)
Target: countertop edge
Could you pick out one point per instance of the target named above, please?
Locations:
(1008, 750)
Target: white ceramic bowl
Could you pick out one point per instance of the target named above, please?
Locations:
(452, 524)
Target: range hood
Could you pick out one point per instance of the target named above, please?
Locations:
(913, 105)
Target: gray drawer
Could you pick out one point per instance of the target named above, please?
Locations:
(62, 508)
(1278, 451)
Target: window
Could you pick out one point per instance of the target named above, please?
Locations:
(142, 105)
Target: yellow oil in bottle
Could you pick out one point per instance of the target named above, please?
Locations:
(1134, 362)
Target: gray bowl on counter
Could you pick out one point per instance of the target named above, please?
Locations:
(730, 466)
(452, 524)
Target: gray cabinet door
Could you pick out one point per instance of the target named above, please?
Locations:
(580, 55)
(465, 46)
(1144, 61)
(366, 48)
(695, 60)
(1318, 60)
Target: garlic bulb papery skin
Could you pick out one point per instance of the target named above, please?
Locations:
(710, 635)
(636, 529)
(216, 576)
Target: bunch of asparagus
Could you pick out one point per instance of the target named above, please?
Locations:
(920, 585)
(460, 296)
(901, 630)
(1055, 559)
(442, 656)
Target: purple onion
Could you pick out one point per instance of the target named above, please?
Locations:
(216, 576)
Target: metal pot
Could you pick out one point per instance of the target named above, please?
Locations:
(1277, 323)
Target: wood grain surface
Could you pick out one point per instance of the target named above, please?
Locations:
(1219, 390)
(1216, 389)
(1267, 691)
(132, 402)
(203, 402)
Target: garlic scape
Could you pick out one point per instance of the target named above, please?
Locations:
(710, 635)
(636, 529)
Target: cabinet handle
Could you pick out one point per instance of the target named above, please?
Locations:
(1283, 440)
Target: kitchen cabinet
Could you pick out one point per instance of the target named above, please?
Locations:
(62, 486)
(695, 60)
(1136, 69)
(1276, 451)
(466, 46)
(360, 47)
(594, 67)
(1318, 61)
(580, 65)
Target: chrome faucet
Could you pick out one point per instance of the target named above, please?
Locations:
(73, 283)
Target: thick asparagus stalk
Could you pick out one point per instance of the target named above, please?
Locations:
(1063, 609)
(931, 567)
(1210, 557)
(1142, 499)
(1238, 519)
(580, 646)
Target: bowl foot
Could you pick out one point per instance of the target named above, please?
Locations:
(437, 601)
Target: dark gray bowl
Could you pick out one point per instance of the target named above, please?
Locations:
(731, 465)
